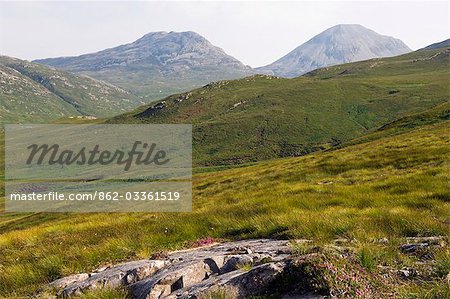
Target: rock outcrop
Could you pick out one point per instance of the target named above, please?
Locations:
(243, 268)
(262, 267)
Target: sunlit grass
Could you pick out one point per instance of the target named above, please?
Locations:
(391, 188)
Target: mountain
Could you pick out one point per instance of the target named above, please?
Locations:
(336, 45)
(444, 43)
(158, 64)
(263, 117)
(163, 63)
(35, 93)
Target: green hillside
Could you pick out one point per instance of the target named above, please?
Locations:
(409, 122)
(384, 173)
(31, 92)
(263, 117)
(393, 188)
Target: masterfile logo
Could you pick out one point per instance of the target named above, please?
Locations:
(95, 168)
(54, 155)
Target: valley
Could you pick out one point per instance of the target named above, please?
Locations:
(346, 168)
(392, 187)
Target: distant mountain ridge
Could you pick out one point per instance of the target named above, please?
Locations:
(159, 63)
(163, 63)
(438, 45)
(168, 52)
(337, 45)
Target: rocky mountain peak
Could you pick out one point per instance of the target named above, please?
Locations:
(157, 64)
(342, 43)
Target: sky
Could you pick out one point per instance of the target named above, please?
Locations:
(257, 33)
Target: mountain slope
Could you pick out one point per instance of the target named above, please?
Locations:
(33, 92)
(263, 117)
(445, 43)
(436, 114)
(392, 188)
(157, 64)
(336, 45)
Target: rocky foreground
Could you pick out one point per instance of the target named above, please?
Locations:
(244, 269)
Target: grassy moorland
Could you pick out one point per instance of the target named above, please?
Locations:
(394, 187)
(264, 117)
(383, 174)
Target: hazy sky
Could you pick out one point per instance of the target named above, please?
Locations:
(257, 33)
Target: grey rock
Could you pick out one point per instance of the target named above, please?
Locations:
(69, 280)
(336, 45)
(243, 268)
(180, 274)
(435, 240)
(116, 276)
(193, 272)
(238, 283)
(383, 241)
(412, 248)
(422, 244)
(407, 273)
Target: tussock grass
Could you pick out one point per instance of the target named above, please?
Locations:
(391, 188)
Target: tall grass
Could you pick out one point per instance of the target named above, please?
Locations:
(391, 188)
